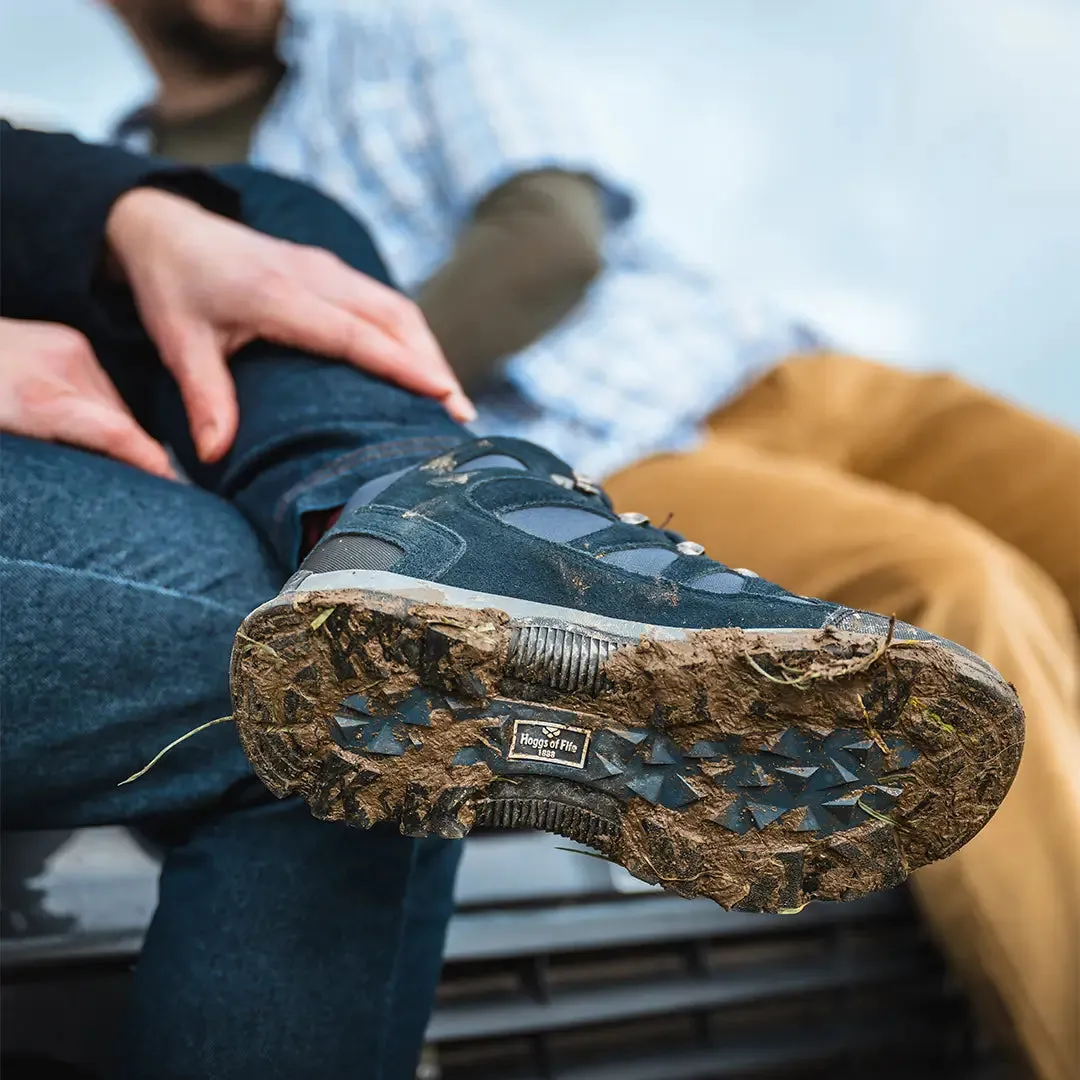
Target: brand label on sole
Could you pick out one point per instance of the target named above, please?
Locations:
(534, 740)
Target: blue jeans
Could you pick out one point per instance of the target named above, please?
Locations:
(282, 947)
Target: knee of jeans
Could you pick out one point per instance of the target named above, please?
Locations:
(293, 210)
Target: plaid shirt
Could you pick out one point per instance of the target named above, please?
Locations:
(409, 112)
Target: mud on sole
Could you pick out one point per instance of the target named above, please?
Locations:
(760, 769)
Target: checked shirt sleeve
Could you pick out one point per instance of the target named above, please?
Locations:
(492, 117)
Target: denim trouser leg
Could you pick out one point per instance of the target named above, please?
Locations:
(282, 946)
(311, 430)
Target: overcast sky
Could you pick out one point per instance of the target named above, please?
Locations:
(906, 172)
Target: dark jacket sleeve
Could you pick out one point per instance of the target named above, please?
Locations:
(56, 193)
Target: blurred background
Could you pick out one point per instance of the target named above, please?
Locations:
(904, 173)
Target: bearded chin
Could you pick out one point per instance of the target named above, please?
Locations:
(213, 52)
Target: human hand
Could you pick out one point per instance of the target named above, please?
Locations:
(53, 388)
(206, 286)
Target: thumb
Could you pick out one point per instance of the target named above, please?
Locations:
(196, 358)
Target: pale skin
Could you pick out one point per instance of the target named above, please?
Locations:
(204, 287)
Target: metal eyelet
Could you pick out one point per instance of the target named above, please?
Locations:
(745, 573)
(632, 517)
(690, 547)
(586, 485)
(563, 481)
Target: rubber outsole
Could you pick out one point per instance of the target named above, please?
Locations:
(763, 769)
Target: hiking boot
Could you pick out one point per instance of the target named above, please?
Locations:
(481, 640)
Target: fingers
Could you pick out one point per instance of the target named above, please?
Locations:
(459, 405)
(196, 358)
(54, 389)
(374, 302)
(382, 305)
(108, 428)
(306, 321)
(403, 320)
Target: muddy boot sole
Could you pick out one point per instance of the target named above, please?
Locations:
(762, 769)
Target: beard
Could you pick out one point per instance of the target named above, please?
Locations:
(210, 49)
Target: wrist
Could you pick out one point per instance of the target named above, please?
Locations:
(130, 223)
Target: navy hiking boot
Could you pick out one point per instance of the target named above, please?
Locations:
(481, 640)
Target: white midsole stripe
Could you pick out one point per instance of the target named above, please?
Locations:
(431, 592)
